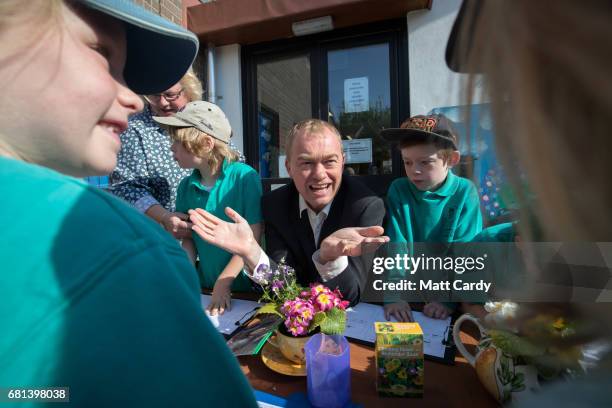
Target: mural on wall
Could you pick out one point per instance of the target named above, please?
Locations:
(268, 142)
(479, 159)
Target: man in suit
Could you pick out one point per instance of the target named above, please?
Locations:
(318, 223)
(314, 205)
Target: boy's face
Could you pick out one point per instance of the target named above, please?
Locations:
(425, 168)
(184, 157)
(64, 102)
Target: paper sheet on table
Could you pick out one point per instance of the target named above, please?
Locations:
(226, 323)
(360, 325)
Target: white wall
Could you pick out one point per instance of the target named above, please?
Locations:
(229, 88)
(432, 84)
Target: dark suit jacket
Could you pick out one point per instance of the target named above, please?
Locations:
(290, 236)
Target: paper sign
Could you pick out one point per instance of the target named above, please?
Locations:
(356, 95)
(358, 151)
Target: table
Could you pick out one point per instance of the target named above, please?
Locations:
(445, 385)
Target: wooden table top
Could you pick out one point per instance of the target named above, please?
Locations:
(445, 385)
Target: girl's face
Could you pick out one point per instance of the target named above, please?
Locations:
(64, 102)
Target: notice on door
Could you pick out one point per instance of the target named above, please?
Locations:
(356, 95)
(358, 151)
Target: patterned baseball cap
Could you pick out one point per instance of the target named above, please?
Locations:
(426, 128)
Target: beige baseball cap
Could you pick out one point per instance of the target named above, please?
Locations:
(202, 115)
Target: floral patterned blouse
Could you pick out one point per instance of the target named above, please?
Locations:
(146, 172)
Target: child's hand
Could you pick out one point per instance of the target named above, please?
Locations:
(399, 310)
(221, 299)
(177, 224)
(436, 310)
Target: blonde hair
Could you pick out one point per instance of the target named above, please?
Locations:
(43, 11)
(42, 16)
(552, 103)
(309, 126)
(548, 76)
(192, 86)
(194, 142)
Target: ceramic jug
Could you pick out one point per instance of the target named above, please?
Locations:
(495, 369)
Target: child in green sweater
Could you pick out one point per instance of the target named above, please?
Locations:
(430, 204)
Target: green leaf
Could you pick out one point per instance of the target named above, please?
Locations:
(269, 308)
(335, 322)
(514, 345)
(518, 382)
(317, 320)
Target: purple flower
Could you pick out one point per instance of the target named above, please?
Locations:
(277, 285)
(262, 274)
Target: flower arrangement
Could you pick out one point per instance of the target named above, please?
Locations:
(303, 309)
(543, 340)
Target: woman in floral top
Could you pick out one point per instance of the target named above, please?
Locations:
(146, 175)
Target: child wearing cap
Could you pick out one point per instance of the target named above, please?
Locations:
(201, 135)
(94, 297)
(430, 204)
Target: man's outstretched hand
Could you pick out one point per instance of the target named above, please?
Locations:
(351, 241)
(236, 237)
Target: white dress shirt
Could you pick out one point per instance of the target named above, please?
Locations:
(327, 270)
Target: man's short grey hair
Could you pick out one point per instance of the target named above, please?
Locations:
(309, 126)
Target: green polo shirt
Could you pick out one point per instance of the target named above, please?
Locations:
(96, 297)
(239, 187)
(449, 214)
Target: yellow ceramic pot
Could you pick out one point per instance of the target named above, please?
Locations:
(292, 348)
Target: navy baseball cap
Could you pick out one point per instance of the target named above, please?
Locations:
(158, 52)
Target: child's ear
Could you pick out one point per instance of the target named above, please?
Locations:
(209, 143)
(454, 158)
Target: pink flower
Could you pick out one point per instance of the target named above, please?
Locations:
(306, 313)
(316, 289)
(297, 330)
(325, 301)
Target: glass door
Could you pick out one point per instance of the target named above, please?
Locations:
(283, 99)
(359, 105)
(355, 78)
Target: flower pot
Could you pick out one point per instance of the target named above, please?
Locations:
(291, 347)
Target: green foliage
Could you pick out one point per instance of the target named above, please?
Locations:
(270, 308)
(334, 322)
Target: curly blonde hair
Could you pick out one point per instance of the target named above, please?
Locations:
(194, 142)
(192, 86)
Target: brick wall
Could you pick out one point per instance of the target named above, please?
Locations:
(170, 9)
